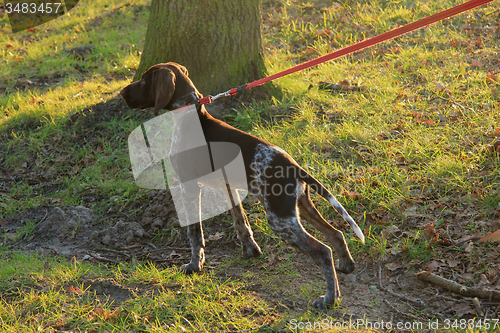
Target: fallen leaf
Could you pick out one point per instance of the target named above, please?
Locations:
(390, 230)
(75, 290)
(492, 79)
(492, 149)
(440, 86)
(411, 234)
(429, 231)
(112, 315)
(270, 261)
(411, 212)
(492, 272)
(483, 281)
(494, 133)
(440, 240)
(453, 263)
(352, 195)
(466, 277)
(466, 237)
(469, 247)
(491, 237)
(216, 236)
(477, 64)
(392, 266)
(462, 309)
(99, 310)
(434, 266)
(370, 219)
(174, 255)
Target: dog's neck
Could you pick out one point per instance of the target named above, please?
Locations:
(190, 98)
(202, 113)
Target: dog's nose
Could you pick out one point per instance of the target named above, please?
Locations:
(122, 92)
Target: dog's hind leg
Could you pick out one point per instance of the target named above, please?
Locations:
(289, 229)
(334, 236)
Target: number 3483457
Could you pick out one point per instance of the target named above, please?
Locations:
(32, 8)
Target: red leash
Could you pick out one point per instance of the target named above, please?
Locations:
(356, 47)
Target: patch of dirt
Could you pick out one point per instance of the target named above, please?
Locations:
(108, 290)
(50, 229)
(75, 232)
(119, 235)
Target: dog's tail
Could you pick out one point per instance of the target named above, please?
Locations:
(321, 190)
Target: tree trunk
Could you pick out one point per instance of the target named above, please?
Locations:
(218, 41)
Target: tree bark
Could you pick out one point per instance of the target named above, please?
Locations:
(218, 41)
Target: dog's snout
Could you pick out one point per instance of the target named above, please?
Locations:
(122, 92)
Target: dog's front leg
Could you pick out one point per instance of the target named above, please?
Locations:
(191, 196)
(195, 234)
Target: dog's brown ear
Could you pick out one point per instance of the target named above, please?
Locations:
(164, 87)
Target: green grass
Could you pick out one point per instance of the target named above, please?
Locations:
(40, 293)
(412, 146)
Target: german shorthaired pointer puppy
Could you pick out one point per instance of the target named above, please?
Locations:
(167, 86)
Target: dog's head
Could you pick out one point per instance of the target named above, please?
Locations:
(163, 86)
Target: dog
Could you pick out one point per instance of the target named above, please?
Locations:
(167, 86)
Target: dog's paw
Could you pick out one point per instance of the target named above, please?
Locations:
(252, 251)
(345, 266)
(323, 303)
(319, 303)
(190, 268)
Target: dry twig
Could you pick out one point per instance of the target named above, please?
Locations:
(454, 246)
(477, 306)
(457, 288)
(170, 248)
(113, 251)
(98, 257)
